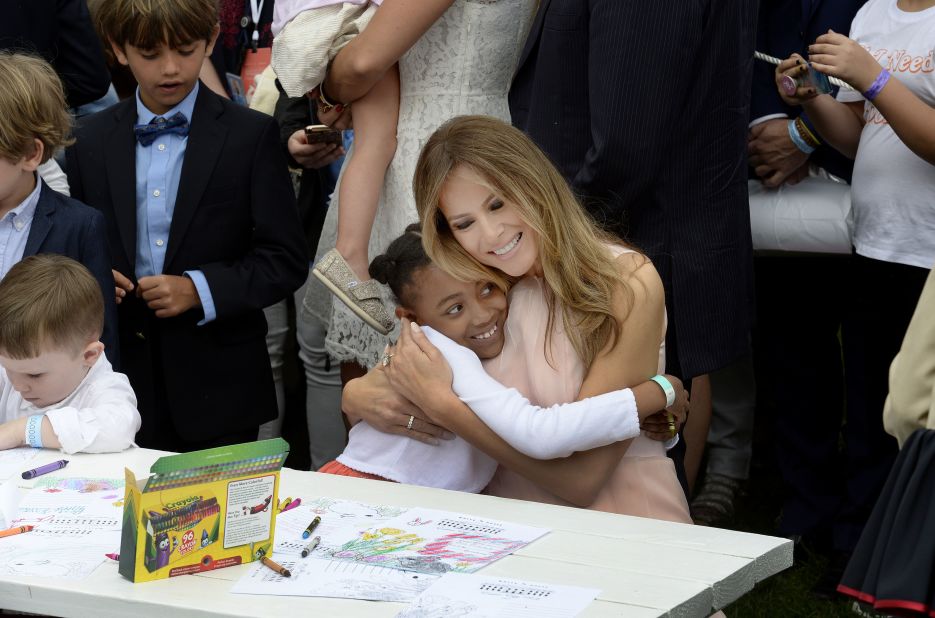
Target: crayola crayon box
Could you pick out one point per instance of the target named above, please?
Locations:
(201, 511)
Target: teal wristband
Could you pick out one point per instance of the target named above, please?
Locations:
(34, 430)
(666, 388)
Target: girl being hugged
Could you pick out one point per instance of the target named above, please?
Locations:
(587, 314)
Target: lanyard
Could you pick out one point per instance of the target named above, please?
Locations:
(256, 7)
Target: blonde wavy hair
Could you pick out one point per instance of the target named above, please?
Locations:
(580, 274)
(32, 106)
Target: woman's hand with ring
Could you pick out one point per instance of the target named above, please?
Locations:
(418, 371)
(372, 398)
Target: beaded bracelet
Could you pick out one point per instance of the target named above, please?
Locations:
(877, 85)
(34, 430)
(797, 139)
(806, 134)
(807, 123)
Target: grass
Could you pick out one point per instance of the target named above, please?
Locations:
(787, 594)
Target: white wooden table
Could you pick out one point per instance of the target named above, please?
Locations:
(643, 567)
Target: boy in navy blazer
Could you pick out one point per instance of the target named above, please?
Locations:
(202, 226)
(34, 122)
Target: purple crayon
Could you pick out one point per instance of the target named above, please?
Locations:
(49, 467)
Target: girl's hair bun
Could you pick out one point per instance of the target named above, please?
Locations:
(402, 259)
(382, 267)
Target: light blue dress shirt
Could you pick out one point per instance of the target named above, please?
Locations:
(158, 170)
(14, 230)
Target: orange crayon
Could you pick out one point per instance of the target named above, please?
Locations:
(12, 531)
(276, 567)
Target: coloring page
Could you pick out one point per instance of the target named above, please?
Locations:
(313, 577)
(73, 529)
(32, 555)
(458, 595)
(431, 541)
(15, 461)
(336, 515)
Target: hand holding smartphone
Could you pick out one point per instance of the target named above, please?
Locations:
(323, 134)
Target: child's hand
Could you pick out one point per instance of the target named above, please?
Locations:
(836, 55)
(122, 286)
(665, 424)
(791, 68)
(168, 295)
(337, 117)
(12, 434)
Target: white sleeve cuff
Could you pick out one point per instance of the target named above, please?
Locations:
(763, 119)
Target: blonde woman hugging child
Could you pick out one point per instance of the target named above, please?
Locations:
(57, 389)
(587, 319)
(468, 321)
(308, 34)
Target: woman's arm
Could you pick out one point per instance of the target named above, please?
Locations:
(395, 27)
(839, 124)
(578, 478)
(909, 117)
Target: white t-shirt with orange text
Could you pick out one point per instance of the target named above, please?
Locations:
(893, 190)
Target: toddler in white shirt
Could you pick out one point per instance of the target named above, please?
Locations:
(57, 389)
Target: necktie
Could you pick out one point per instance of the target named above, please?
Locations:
(146, 134)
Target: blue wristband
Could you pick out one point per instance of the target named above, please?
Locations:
(877, 85)
(34, 430)
(797, 139)
(666, 388)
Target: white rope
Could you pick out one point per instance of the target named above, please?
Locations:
(774, 60)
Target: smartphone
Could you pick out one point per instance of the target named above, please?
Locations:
(323, 134)
(811, 78)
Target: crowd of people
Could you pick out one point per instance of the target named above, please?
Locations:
(532, 273)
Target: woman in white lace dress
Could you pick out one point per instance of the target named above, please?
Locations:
(455, 57)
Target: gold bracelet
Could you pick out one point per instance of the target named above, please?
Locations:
(324, 105)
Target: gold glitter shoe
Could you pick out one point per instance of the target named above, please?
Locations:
(362, 297)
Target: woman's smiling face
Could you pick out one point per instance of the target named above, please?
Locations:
(471, 314)
(488, 227)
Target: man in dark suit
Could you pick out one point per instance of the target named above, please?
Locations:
(202, 226)
(647, 119)
(643, 107)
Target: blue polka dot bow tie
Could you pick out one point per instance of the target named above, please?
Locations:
(146, 134)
